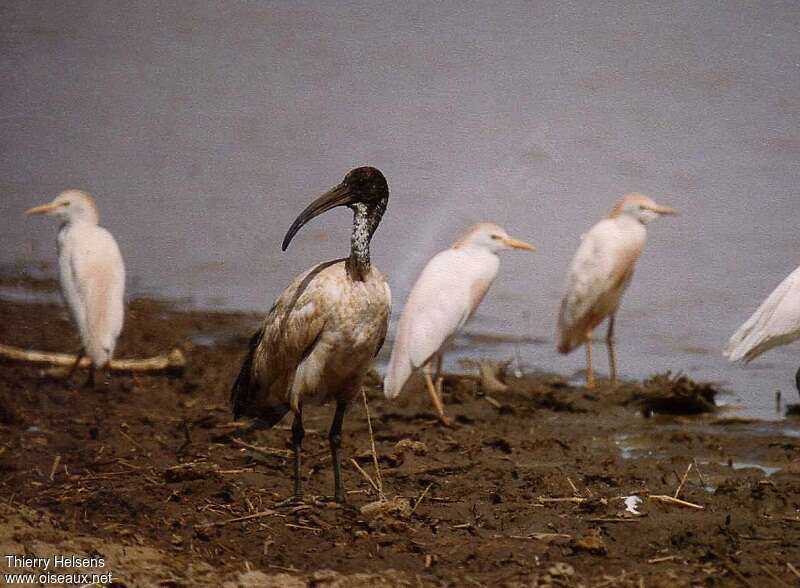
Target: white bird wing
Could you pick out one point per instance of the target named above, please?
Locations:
(94, 287)
(599, 273)
(445, 295)
(776, 322)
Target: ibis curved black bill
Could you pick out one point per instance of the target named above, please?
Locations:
(338, 196)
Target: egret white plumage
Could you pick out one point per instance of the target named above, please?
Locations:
(600, 273)
(319, 338)
(445, 295)
(776, 322)
(92, 275)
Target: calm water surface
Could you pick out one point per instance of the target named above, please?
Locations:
(204, 129)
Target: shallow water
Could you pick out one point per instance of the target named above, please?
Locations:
(203, 130)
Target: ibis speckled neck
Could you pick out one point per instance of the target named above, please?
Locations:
(365, 220)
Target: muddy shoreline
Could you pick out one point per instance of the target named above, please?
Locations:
(528, 489)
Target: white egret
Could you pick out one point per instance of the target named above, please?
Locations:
(319, 338)
(776, 322)
(92, 275)
(445, 295)
(599, 274)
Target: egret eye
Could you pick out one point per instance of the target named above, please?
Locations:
(495, 237)
(66, 204)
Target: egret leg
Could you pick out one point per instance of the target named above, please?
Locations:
(797, 379)
(90, 380)
(437, 360)
(435, 398)
(612, 356)
(79, 356)
(335, 440)
(298, 432)
(589, 371)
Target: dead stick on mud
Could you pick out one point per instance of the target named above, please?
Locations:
(575, 499)
(266, 451)
(737, 574)
(173, 361)
(258, 515)
(773, 576)
(56, 461)
(676, 501)
(697, 469)
(574, 487)
(683, 481)
(793, 569)
(421, 496)
(381, 495)
(365, 475)
(656, 560)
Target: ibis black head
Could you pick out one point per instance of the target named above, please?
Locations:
(362, 185)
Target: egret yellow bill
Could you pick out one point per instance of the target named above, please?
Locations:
(92, 276)
(321, 335)
(446, 294)
(600, 273)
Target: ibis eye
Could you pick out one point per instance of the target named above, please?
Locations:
(495, 237)
(65, 204)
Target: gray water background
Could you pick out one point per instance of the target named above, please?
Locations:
(203, 129)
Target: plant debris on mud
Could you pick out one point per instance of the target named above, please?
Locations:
(530, 488)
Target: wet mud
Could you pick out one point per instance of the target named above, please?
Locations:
(540, 484)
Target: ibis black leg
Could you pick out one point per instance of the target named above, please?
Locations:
(335, 439)
(298, 432)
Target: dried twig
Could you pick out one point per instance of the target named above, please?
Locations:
(366, 475)
(697, 469)
(737, 574)
(421, 496)
(683, 481)
(56, 461)
(267, 451)
(575, 499)
(173, 361)
(677, 501)
(542, 536)
(793, 569)
(656, 560)
(379, 487)
(573, 486)
(258, 515)
(768, 572)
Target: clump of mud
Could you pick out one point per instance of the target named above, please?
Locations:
(679, 394)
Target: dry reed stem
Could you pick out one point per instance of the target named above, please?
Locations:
(379, 487)
(173, 361)
(683, 481)
(365, 475)
(258, 515)
(421, 496)
(676, 501)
